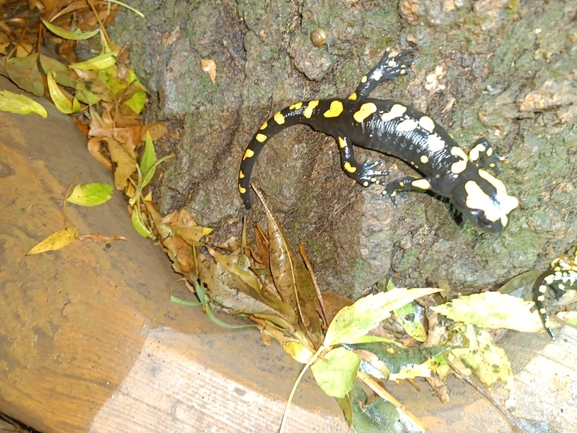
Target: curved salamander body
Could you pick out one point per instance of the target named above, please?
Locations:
(561, 277)
(401, 131)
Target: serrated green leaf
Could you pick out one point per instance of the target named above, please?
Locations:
(492, 310)
(336, 372)
(20, 104)
(365, 314)
(488, 361)
(72, 35)
(91, 194)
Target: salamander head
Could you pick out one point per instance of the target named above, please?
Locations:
(483, 199)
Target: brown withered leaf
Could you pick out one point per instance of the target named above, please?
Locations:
(236, 296)
(251, 280)
(181, 253)
(24, 72)
(95, 149)
(334, 303)
(182, 224)
(125, 163)
(292, 279)
(97, 237)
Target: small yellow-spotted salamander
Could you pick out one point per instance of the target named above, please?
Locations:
(561, 277)
(399, 130)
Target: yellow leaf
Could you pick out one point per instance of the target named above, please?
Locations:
(55, 241)
(297, 351)
(15, 103)
(59, 98)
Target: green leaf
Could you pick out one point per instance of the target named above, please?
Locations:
(393, 361)
(183, 302)
(137, 219)
(378, 416)
(137, 102)
(24, 72)
(91, 194)
(365, 314)
(492, 310)
(408, 317)
(20, 104)
(76, 35)
(97, 63)
(201, 293)
(147, 161)
(336, 372)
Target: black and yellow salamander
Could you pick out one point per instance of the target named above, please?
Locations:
(399, 130)
(561, 277)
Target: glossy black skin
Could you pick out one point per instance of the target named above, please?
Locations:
(561, 277)
(384, 136)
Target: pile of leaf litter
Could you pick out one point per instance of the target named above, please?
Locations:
(351, 348)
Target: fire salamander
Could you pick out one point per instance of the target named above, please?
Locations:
(399, 130)
(561, 277)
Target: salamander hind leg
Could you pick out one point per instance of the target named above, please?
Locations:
(398, 187)
(364, 173)
(484, 156)
(388, 68)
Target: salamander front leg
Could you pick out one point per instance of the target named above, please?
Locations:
(397, 187)
(365, 173)
(484, 156)
(387, 69)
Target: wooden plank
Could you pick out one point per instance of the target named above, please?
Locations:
(89, 340)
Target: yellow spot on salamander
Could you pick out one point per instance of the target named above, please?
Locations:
(241, 189)
(542, 289)
(335, 109)
(264, 126)
(260, 138)
(348, 167)
(459, 166)
(365, 111)
(407, 125)
(364, 79)
(309, 110)
(427, 123)
(543, 311)
(342, 143)
(279, 118)
(541, 298)
(397, 110)
(424, 159)
(475, 152)
(248, 154)
(241, 175)
(296, 106)
(421, 184)
(353, 97)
